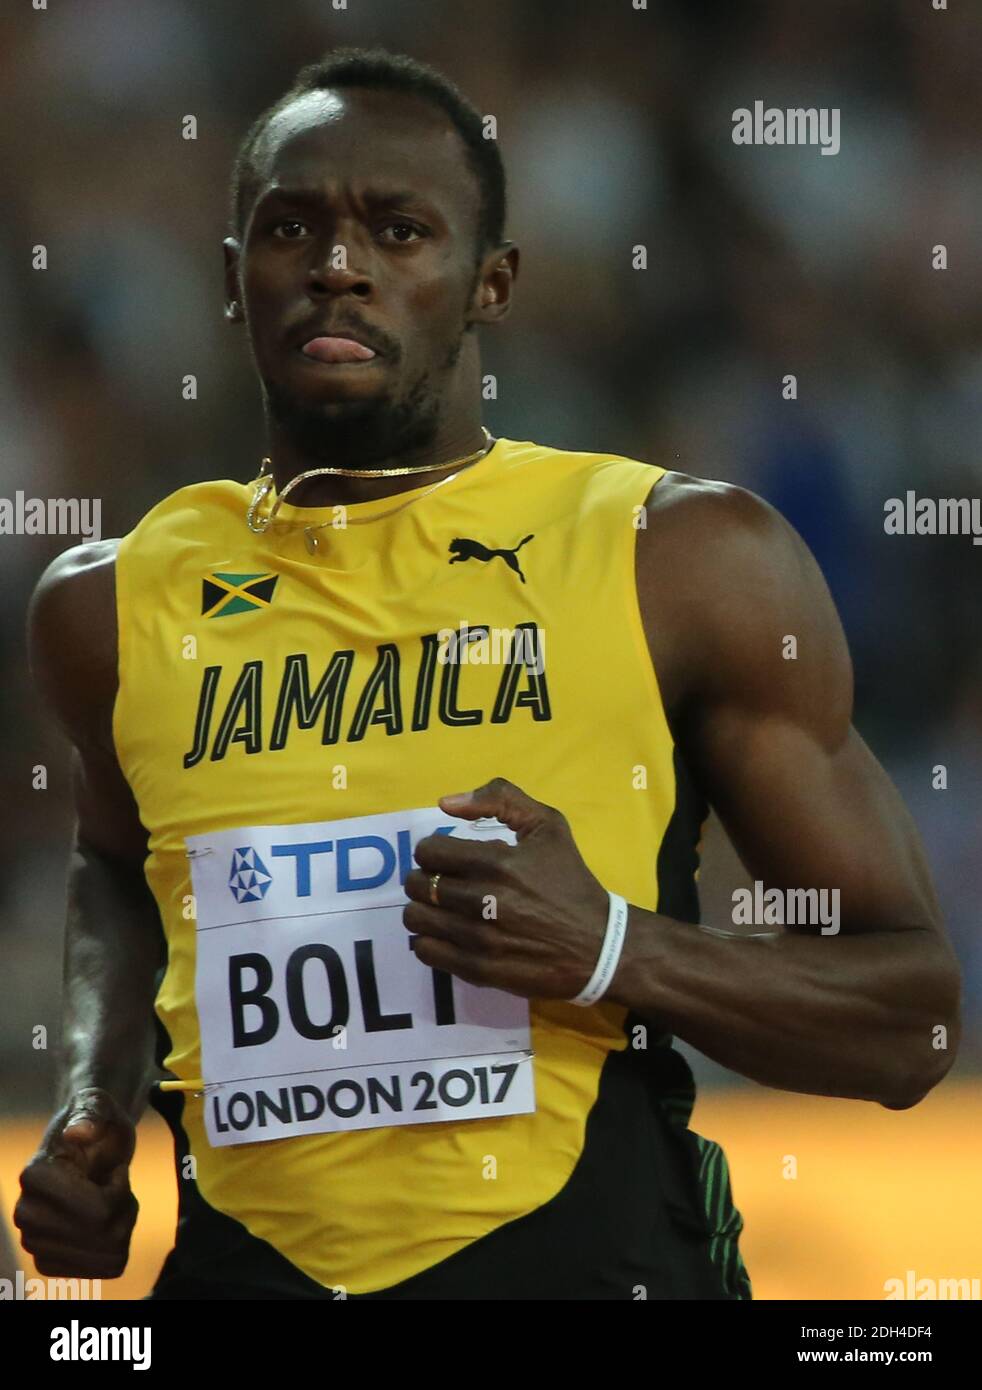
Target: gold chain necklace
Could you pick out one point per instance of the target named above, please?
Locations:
(264, 485)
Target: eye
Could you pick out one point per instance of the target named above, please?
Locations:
(279, 229)
(399, 230)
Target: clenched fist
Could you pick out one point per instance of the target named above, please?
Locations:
(76, 1211)
(527, 918)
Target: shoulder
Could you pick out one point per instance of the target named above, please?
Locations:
(77, 583)
(730, 540)
(682, 509)
(732, 597)
(72, 638)
(593, 471)
(187, 514)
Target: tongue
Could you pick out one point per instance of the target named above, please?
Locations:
(337, 350)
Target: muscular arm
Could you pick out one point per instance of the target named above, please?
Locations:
(723, 582)
(113, 939)
(76, 1210)
(869, 1012)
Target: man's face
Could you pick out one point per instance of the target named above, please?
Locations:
(363, 228)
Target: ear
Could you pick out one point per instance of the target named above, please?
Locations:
(493, 291)
(232, 250)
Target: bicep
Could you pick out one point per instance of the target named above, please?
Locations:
(803, 815)
(73, 652)
(766, 727)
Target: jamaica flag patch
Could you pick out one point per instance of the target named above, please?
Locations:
(224, 594)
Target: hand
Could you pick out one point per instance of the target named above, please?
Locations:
(76, 1212)
(527, 918)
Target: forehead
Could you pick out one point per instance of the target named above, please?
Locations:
(352, 135)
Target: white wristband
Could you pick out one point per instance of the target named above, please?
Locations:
(610, 953)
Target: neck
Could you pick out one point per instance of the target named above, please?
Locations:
(455, 440)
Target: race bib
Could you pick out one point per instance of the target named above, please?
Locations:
(315, 1014)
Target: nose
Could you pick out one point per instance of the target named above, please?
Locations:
(334, 273)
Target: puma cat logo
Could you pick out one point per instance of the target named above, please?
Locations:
(464, 549)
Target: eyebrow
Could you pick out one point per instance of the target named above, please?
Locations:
(374, 197)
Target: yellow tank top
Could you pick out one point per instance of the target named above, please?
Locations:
(224, 638)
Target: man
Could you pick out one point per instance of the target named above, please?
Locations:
(276, 695)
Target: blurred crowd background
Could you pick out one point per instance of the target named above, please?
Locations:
(616, 129)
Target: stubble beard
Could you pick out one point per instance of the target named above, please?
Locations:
(359, 434)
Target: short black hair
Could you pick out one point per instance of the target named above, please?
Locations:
(379, 70)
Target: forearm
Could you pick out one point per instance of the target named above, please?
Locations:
(113, 949)
(846, 1015)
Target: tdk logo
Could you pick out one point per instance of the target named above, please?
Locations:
(355, 862)
(249, 879)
